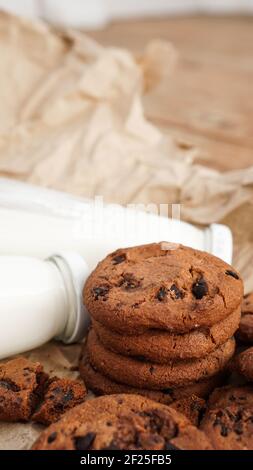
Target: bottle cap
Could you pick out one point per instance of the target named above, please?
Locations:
(219, 242)
(75, 271)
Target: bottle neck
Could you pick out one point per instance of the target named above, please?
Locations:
(68, 299)
(72, 271)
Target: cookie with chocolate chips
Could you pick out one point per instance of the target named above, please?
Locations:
(245, 331)
(161, 286)
(21, 387)
(229, 428)
(161, 346)
(122, 422)
(141, 374)
(231, 395)
(59, 396)
(243, 364)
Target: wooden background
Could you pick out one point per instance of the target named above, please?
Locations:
(208, 101)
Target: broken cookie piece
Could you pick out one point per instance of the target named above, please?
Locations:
(21, 387)
(60, 395)
(27, 393)
(192, 407)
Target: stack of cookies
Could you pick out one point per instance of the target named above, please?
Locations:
(163, 320)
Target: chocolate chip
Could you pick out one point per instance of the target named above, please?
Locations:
(169, 446)
(130, 285)
(137, 439)
(159, 422)
(224, 430)
(232, 274)
(217, 421)
(177, 292)
(9, 385)
(101, 291)
(156, 419)
(151, 369)
(51, 438)
(59, 407)
(238, 416)
(57, 390)
(232, 398)
(129, 282)
(136, 305)
(231, 416)
(84, 442)
(200, 289)
(68, 396)
(119, 259)
(238, 428)
(161, 294)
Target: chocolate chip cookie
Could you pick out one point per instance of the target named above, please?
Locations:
(229, 428)
(245, 332)
(161, 346)
(59, 396)
(102, 385)
(141, 374)
(231, 395)
(21, 385)
(127, 422)
(243, 364)
(162, 286)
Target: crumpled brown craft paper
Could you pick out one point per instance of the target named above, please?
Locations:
(71, 118)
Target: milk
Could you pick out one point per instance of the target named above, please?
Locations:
(37, 222)
(40, 300)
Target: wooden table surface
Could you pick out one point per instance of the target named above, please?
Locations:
(208, 101)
